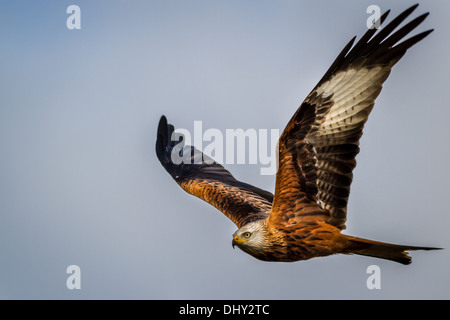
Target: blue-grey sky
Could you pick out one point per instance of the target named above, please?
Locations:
(80, 183)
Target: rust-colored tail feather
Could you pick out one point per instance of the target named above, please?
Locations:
(388, 251)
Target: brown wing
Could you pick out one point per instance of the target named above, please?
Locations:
(200, 176)
(318, 147)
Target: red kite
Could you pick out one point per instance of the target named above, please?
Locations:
(317, 150)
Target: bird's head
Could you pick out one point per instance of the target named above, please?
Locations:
(251, 238)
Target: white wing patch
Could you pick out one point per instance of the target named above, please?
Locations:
(353, 94)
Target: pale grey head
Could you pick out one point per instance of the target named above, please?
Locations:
(251, 238)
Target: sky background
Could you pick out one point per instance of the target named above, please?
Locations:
(80, 182)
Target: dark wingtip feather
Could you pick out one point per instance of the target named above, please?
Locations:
(162, 138)
(415, 6)
(394, 38)
(164, 147)
(339, 60)
(385, 33)
(413, 40)
(162, 122)
(397, 51)
(162, 127)
(375, 46)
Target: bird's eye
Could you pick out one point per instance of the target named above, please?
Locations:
(247, 235)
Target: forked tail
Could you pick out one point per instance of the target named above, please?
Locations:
(388, 251)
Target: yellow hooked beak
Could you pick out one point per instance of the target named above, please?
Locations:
(237, 241)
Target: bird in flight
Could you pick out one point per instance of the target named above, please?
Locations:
(317, 149)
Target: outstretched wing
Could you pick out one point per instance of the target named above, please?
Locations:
(318, 147)
(200, 176)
